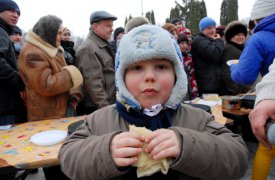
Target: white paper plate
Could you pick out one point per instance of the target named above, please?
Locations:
(47, 138)
(233, 61)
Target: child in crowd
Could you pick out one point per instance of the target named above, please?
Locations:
(151, 83)
(188, 65)
(172, 29)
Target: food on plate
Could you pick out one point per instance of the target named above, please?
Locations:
(210, 97)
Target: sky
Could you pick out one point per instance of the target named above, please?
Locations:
(76, 14)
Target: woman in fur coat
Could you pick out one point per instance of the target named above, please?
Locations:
(49, 82)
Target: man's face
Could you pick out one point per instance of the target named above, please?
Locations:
(16, 38)
(10, 17)
(119, 36)
(210, 32)
(103, 28)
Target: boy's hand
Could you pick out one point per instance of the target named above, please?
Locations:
(125, 147)
(162, 143)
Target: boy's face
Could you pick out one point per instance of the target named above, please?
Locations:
(150, 82)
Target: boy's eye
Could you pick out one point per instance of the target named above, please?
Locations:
(162, 66)
(134, 68)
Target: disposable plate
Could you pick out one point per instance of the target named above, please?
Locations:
(47, 138)
(233, 61)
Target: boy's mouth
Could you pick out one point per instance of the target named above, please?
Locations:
(150, 91)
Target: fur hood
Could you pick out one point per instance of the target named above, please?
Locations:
(35, 40)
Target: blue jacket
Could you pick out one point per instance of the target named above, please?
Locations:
(258, 53)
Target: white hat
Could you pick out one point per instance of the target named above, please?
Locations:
(262, 8)
(148, 42)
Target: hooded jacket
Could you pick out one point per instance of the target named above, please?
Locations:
(258, 53)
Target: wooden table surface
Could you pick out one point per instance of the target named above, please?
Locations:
(18, 152)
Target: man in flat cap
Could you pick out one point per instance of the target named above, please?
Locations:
(11, 105)
(96, 63)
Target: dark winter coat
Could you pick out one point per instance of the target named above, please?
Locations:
(207, 53)
(229, 87)
(69, 52)
(10, 81)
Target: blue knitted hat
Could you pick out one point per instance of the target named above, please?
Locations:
(9, 5)
(144, 43)
(206, 22)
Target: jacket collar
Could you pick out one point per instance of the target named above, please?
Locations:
(6, 27)
(266, 24)
(34, 39)
(98, 40)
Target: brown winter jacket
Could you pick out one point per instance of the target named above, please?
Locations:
(48, 80)
(208, 149)
(96, 64)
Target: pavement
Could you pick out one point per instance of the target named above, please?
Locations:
(252, 147)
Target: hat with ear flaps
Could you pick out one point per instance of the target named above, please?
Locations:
(148, 42)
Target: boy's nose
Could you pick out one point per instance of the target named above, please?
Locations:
(150, 76)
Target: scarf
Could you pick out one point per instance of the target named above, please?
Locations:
(239, 46)
(190, 71)
(161, 120)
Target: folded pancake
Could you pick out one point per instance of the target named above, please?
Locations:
(145, 165)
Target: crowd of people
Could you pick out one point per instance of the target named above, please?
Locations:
(140, 78)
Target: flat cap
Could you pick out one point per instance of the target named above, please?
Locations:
(101, 15)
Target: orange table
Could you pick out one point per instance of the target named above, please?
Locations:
(16, 150)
